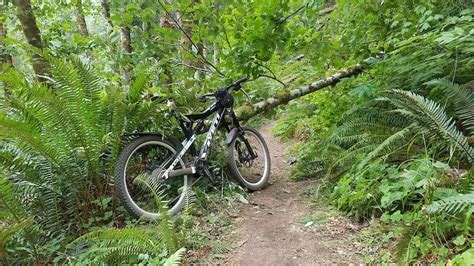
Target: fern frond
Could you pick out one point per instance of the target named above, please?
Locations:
(462, 100)
(430, 115)
(136, 234)
(10, 207)
(388, 145)
(350, 155)
(453, 204)
(6, 232)
(176, 258)
(125, 245)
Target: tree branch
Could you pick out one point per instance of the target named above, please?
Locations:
(289, 16)
(206, 71)
(191, 53)
(274, 78)
(248, 111)
(190, 40)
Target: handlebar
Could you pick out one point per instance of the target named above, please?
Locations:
(237, 84)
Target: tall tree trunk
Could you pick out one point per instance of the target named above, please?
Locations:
(80, 19)
(126, 44)
(125, 36)
(33, 36)
(246, 112)
(125, 39)
(5, 58)
(106, 11)
(166, 24)
(187, 24)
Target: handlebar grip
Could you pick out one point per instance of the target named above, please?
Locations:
(242, 80)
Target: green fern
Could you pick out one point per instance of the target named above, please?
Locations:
(380, 131)
(130, 245)
(176, 258)
(58, 143)
(14, 219)
(431, 116)
(462, 100)
(387, 146)
(453, 204)
(7, 231)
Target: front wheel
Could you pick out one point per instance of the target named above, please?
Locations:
(139, 182)
(251, 170)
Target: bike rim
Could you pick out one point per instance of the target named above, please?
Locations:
(140, 196)
(253, 172)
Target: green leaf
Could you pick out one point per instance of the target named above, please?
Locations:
(459, 240)
(128, 18)
(396, 216)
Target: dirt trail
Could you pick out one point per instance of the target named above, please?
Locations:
(270, 229)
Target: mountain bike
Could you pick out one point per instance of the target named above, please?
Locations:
(166, 163)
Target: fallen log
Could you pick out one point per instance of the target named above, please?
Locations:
(247, 111)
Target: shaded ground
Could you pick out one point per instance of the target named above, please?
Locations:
(278, 228)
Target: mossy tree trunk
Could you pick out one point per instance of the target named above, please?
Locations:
(106, 11)
(126, 40)
(165, 22)
(248, 111)
(80, 19)
(33, 36)
(5, 57)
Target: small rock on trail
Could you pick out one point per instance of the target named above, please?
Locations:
(270, 229)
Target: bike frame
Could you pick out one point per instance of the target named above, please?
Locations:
(191, 133)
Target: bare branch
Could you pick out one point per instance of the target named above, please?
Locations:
(290, 15)
(205, 71)
(190, 40)
(274, 78)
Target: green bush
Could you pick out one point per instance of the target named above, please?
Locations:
(58, 147)
(402, 156)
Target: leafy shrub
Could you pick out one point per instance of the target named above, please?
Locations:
(60, 141)
(405, 156)
(145, 245)
(356, 192)
(402, 194)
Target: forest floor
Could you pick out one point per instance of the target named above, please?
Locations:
(278, 227)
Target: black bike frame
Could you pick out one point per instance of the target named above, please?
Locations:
(186, 125)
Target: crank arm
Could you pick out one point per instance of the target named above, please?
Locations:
(181, 172)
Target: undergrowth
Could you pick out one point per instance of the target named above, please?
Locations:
(398, 151)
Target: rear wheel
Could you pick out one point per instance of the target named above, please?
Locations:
(138, 177)
(251, 172)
